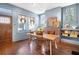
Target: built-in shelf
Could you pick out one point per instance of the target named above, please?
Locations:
(70, 41)
(70, 35)
(70, 29)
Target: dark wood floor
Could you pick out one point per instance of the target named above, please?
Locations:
(25, 47)
(37, 47)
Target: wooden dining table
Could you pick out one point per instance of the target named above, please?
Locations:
(45, 36)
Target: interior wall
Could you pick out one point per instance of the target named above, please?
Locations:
(56, 12)
(8, 9)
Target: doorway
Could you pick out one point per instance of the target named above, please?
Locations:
(5, 32)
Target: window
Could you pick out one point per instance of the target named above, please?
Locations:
(25, 23)
(69, 18)
(4, 19)
(42, 20)
(31, 23)
(22, 22)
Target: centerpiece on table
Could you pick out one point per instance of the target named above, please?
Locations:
(40, 31)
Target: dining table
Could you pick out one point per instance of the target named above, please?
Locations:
(46, 36)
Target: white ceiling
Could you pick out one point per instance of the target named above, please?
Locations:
(39, 8)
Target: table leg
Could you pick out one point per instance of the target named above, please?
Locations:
(50, 47)
(56, 45)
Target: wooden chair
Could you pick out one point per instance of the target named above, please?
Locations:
(54, 31)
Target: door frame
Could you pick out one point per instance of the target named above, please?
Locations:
(10, 23)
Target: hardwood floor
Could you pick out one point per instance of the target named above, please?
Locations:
(37, 47)
(24, 47)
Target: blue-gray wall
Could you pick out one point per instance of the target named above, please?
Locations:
(10, 10)
(56, 12)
